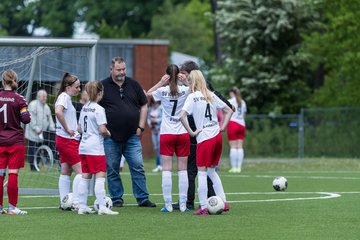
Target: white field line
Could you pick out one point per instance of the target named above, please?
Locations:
(323, 195)
(174, 194)
(312, 177)
(272, 176)
(319, 171)
(327, 196)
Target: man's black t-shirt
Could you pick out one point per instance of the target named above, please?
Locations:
(122, 107)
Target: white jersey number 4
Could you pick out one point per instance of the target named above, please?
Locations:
(208, 112)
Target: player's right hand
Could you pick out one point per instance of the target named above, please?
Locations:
(197, 132)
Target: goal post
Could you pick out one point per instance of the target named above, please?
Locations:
(40, 64)
(55, 43)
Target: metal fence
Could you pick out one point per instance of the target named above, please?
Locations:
(315, 132)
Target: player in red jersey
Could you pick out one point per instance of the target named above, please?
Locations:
(13, 112)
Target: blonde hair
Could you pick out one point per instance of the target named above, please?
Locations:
(9, 78)
(93, 88)
(198, 83)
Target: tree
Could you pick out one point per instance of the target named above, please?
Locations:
(15, 18)
(136, 14)
(261, 40)
(336, 46)
(187, 26)
(21, 17)
(57, 16)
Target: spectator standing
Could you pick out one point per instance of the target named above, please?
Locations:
(41, 126)
(154, 121)
(126, 109)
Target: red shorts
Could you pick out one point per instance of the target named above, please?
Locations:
(208, 152)
(12, 157)
(235, 131)
(93, 164)
(68, 150)
(178, 143)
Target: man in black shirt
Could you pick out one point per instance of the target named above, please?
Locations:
(126, 111)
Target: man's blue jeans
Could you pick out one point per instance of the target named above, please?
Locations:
(155, 137)
(132, 151)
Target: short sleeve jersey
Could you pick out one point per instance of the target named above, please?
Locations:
(69, 114)
(92, 115)
(172, 106)
(204, 114)
(239, 114)
(122, 113)
(13, 111)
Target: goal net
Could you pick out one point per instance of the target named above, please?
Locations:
(40, 65)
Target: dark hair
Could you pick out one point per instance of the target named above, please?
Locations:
(188, 66)
(173, 71)
(9, 77)
(152, 102)
(237, 93)
(93, 88)
(66, 81)
(117, 60)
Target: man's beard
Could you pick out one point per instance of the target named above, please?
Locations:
(120, 78)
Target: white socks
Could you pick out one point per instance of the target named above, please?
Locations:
(100, 192)
(233, 157)
(64, 186)
(217, 185)
(236, 157)
(202, 188)
(166, 186)
(183, 185)
(83, 186)
(240, 154)
(75, 188)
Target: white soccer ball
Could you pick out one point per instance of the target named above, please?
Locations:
(108, 203)
(67, 201)
(280, 183)
(215, 205)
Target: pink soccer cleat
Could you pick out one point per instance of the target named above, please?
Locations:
(226, 207)
(200, 211)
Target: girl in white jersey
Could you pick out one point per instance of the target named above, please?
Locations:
(202, 104)
(236, 131)
(173, 136)
(92, 125)
(67, 138)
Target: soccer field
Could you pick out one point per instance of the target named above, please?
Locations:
(322, 201)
